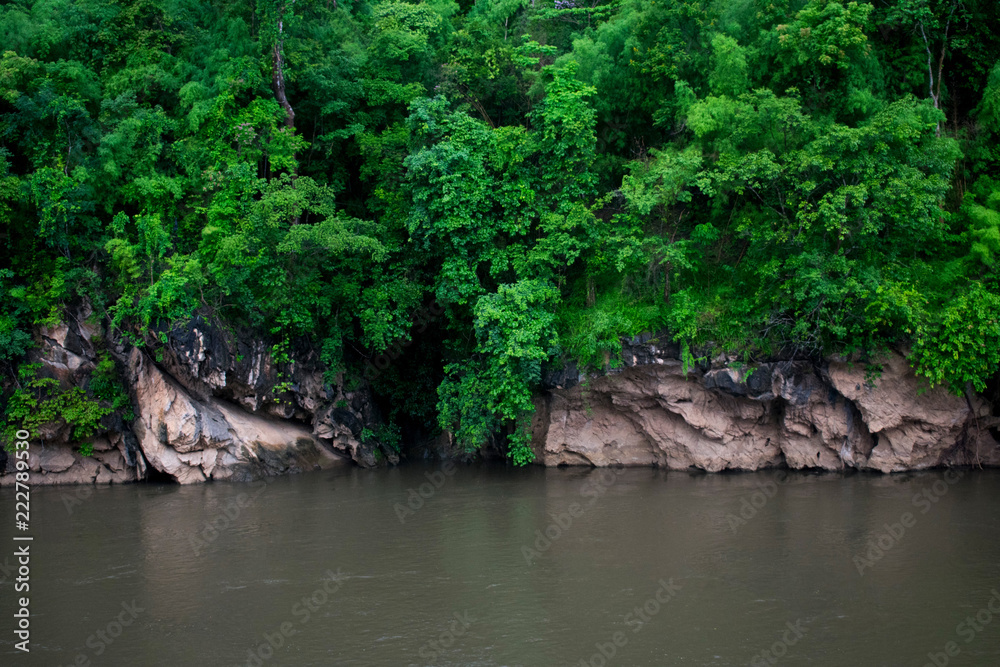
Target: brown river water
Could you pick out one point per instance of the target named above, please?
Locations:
(491, 565)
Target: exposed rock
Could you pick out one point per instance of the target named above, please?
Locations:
(58, 463)
(66, 353)
(653, 415)
(218, 407)
(53, 459)
(194, 440)
(213, 362)
(784, 413)
(915, 428)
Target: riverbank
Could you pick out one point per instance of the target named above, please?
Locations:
(210, 405)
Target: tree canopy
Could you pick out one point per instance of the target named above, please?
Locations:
(780, 178)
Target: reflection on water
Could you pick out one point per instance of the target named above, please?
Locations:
(497, 566)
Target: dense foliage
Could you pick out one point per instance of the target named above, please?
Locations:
(762, 178)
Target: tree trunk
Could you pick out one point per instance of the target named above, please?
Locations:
(278, 83)
(278, 72)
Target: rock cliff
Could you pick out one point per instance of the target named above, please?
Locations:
(214, 406)
(194, 440)
(723, 416)
(212, 403)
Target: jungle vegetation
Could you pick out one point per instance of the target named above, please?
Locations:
(756, 177)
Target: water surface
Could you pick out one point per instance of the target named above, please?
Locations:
(679, 569)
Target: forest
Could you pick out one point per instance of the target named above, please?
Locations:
(762, 178)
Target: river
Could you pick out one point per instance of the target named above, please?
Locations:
(490, 565)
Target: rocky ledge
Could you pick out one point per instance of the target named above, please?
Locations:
(723, 416)
(212, 405)
(192, 440)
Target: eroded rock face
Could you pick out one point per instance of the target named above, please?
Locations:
(58, 463)
(195, 440)
(66, 353)
(216, 407)
(784, 413)
(216, 364)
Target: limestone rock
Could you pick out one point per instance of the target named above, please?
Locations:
(212, 362)
(913, 426)
(723, 416)
(218, 407)
(193, 440)
(58, 463)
